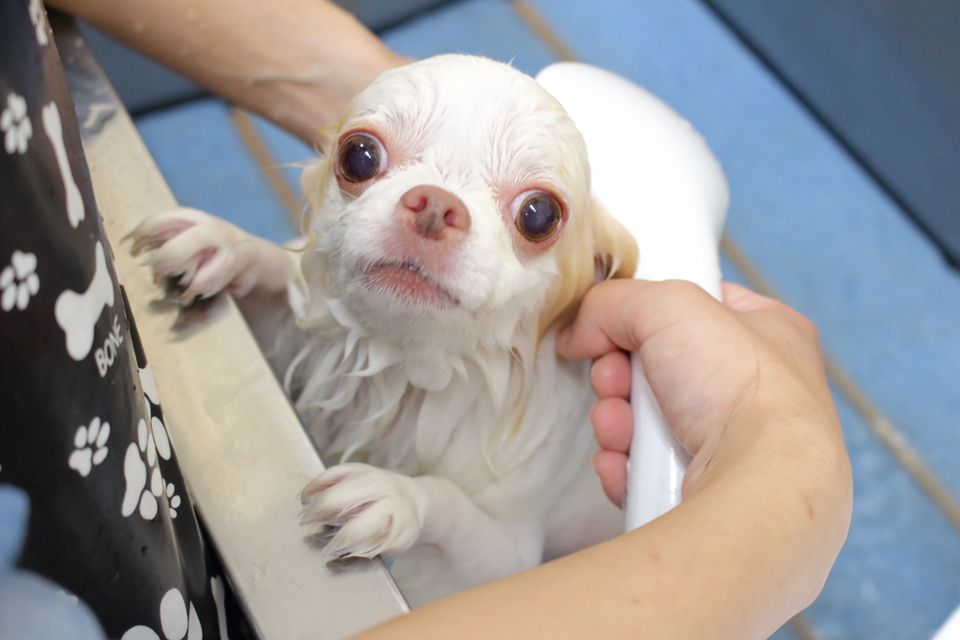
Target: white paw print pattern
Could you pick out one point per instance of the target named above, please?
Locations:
(36, 17)
(161, 441)
(158, 487)
(91, 447)
(172, 499)
(15, 124)
(176, 621)
(19, 281)
(152, 442)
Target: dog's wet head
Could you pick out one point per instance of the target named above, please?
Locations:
(453, 206)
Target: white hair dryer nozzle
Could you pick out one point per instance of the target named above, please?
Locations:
(654, 173)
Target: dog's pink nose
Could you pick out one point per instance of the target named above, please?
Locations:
(434, 213)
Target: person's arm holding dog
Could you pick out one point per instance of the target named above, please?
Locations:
(767, 499)
(768, 496)
(295, 62)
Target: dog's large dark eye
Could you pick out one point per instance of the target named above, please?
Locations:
(360, 157)
(539, 217)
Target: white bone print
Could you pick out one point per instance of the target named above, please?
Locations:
(54, 129)
(77, 313)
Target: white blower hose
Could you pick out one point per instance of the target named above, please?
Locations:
(655, 174)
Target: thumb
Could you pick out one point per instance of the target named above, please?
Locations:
(623, 314)
(602, 324)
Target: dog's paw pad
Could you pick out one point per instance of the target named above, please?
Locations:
(158, 229)
(192, 249)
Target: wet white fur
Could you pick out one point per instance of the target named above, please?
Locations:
(460, 440)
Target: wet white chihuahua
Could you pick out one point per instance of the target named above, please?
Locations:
(451, 235)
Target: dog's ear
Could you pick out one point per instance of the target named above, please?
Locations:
(615, 250)
(613, 253)
(325, 139)
(313, 180)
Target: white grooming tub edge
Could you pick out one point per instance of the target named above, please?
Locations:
(654, 173)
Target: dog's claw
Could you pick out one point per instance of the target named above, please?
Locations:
(202, 254)
(370, 511)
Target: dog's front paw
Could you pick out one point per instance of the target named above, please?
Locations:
(202, 253)
(371, 511)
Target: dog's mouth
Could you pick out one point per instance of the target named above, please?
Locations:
(407, 282)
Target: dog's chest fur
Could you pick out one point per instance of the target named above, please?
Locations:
(497, 422)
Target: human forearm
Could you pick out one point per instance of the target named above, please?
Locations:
(745, 551)
(743, 386)
(296, 62)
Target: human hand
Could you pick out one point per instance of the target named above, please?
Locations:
(713, 367)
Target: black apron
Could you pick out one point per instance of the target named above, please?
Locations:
(81, 429)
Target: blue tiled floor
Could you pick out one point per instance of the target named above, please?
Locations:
(829, 241)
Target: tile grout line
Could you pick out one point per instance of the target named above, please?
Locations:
(268, 165)
(542, 29)
(881, 426)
